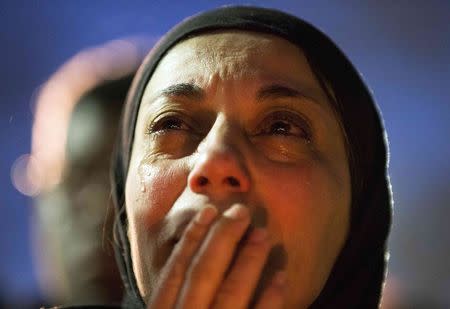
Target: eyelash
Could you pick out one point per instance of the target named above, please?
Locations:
(289, 119)
(167, 124)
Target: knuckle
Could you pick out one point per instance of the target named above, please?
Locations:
(194, 232)
(178, 266)
(229, 295)
(229, 288)
(230, 228)
(197, 270)
(255, 252)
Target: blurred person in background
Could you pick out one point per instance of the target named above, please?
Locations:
(77, 116)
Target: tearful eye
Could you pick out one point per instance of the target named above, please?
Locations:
(173, 134)
(285, 124)
(168, 124)
(280, 127)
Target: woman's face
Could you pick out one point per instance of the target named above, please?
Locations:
(239, 117)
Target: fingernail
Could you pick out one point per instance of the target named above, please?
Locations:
(279, 279)
(236, 212)
(206, 215)
(258, 235)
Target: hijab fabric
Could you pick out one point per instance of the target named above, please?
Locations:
(357, 277)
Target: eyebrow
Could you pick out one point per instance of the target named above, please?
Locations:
(276, 91)
(195, 93)
(183, 90)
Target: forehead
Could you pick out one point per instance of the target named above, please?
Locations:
(235, 56)
(229, 45)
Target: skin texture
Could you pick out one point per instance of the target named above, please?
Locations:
(236, 118)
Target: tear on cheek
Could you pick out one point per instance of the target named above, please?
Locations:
(156, 188)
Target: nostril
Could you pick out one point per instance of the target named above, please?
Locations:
(202, 181)
(233, 181)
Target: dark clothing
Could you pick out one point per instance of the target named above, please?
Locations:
(357, 277)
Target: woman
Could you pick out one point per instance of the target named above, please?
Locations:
(251, 170)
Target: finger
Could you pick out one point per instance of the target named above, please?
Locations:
(174, 272)
(209, 265)
(273, 295)
(238, 287)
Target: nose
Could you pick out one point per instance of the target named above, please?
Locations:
(219, 169)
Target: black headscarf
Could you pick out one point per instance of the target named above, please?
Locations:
(357, 277)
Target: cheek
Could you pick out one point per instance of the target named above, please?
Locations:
(285, 187)
(304, 201)
(288, 199)
(151, 191)
(308, 210)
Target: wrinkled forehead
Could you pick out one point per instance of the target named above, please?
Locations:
(227, 43)
(241, 48)
(234, 55)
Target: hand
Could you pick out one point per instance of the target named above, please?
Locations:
(207, 270)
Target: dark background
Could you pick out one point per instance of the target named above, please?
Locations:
(402, 49)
